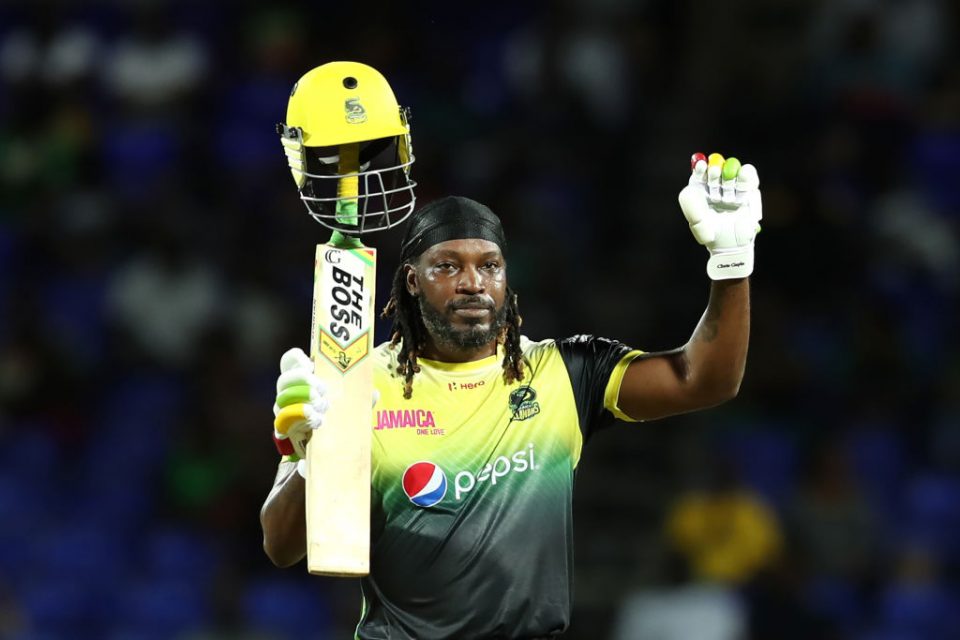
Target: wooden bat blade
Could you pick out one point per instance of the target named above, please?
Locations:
(338, 455)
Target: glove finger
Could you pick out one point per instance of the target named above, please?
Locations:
(293, 395)
(747, 179)
(290, 419)
(296, 377)
(728, 180)
(313, 415)
(295, 359)
(320, 405)
(698, 175)
(714, 170)
(693, 203)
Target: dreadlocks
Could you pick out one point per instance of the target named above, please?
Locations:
(411, 334)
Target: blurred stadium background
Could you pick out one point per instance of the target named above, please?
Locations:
(155, 262)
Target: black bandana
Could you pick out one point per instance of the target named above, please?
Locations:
(450, 218)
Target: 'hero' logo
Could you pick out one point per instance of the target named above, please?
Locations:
(347, 308)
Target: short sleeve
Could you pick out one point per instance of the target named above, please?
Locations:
(596, 367)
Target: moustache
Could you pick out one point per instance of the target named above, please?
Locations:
(476, 302)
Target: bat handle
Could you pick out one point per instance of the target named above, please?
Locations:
(344, 241)
(347, 194)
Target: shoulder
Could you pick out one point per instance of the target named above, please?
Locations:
(580, 346)
(535, 351)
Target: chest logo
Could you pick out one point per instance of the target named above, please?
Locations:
(523, 403)
(424, 483)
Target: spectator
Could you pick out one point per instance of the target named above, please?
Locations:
(833, 528)
(724, 531)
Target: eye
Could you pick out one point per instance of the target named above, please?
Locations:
(444, 266)
(492, 265)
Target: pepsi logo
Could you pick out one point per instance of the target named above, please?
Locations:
(424, 483)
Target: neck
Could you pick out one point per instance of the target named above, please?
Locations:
(455, 353)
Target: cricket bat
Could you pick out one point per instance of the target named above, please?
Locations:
(341, 345)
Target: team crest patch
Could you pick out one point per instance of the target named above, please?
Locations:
(523, 403)
(354, 111)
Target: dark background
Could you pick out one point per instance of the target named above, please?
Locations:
(155, 262)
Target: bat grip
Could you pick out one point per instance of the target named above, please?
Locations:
(348, 196)
(344, 241)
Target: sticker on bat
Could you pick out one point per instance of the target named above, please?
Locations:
(345, 292)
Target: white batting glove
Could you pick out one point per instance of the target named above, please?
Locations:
(722, 205)
(300, 404)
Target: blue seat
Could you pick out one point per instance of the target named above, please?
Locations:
(82, 552)
(177, 553)
(34, 453)
(152, 402)
(137, 154)
(835, 600)
(61, 608)
(121, 508)
(170, 607)
(931, 514)
(134, 632)
(292, 609)
(883, 633)
(73, 310)
(152, 398)
(924, 610)
(877, 457)
(767, 462)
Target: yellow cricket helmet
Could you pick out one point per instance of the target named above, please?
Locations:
(332, 108)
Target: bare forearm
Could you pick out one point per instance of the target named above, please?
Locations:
(283, 518)
(716, 354)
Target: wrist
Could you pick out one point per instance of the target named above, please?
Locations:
(729, 264)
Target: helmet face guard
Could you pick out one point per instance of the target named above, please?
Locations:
(347, 103)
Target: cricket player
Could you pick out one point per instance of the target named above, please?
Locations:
(478, 430)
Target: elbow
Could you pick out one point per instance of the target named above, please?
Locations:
(279, 543)
(726, 391)
(280, 557)
(719, 392)
(733, 387)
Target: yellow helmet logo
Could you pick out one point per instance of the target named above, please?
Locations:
(355, 111)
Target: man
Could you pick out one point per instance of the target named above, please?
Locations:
(478, 430)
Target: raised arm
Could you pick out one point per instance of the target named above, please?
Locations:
(722, 205)
(704, 372)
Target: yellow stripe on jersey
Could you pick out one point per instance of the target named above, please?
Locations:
(611, 395)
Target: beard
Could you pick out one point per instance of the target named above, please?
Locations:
(446, 334)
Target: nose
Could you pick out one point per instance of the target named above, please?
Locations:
(470, 281)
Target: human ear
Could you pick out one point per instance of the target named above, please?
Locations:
(410, 278)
